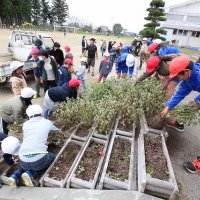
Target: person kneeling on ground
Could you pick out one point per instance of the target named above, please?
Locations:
(33, 154)
(14, 109)
(55, 95)
(105, 67)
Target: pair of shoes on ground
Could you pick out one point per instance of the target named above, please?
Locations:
(194, 166)
(175, 125)
(36, 96)
(26, 179)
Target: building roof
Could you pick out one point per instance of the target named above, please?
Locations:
(183, 4)
(189, 27)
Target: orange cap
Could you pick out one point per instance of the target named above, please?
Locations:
(152, 64)
(152, 47)
(177, 65)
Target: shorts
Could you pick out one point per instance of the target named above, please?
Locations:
(91, 62)
(123, 70)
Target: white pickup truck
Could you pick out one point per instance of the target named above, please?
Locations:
(19, 47)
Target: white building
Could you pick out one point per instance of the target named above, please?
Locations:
(183, 24)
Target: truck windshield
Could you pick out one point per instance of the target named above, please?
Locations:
(26, 39)
(48, 42)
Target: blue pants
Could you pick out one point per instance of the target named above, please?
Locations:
(32, 167)
(130, 71)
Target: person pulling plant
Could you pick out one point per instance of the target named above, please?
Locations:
(33, 154)
(54, 96)
(185, 70)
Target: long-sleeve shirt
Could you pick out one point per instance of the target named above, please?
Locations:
(165, 50)
(58, 55)
(105, 67)
(185, 88)
(80, 72)
(35, 134)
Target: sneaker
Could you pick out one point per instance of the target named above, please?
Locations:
(35, 97)
(12, 182)
(27, 180)
(92, 73)
(175, 125)
(194, 166)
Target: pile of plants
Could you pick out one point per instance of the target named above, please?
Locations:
(104, 102)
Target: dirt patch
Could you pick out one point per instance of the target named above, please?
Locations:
(89, 163)
(155, 122)
(128, 127)
(63, 164)
(156, 163)
(121, 153)
(82, 131)
(3, 166)
(53, 148)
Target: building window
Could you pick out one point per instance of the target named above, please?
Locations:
(175, 31)
(185, 32)
(198, 34)
(194, 33)
(180, 32)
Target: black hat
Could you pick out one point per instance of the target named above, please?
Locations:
(38, 42)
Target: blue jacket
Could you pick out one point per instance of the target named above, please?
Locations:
(127, 49)
(186, 87)
(64, 76)
(121, 60)
(149, 42)
(165, 50)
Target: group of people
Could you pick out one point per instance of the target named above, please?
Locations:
(54, 71)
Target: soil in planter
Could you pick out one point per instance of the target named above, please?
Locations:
(155, 122)
(82, 131)
(125, 127)
(3, 166)
(156, 163)
(118, 167)
(90, 161)
(67, 132)
(63, 164)
(53, 148)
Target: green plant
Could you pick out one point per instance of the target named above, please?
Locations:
(80, 169)
(16, 130)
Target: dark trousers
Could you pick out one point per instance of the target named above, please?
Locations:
(49, 84)
(5, 127)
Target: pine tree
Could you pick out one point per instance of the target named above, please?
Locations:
(156, 14)
(45, 11)
(59, 11)
(35, 11)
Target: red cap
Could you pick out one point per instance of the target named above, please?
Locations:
(152, 47)
(34, 51)
(74, 83)
(152, 64)
(67, 48)
(177, 65)
(68, 61)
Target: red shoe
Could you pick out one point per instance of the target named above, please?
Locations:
(194, 166)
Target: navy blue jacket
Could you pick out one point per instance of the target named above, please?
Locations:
(37, 71)
(61, 93)
(193, 83)
(64, 76)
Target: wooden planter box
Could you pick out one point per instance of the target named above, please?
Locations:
(153, 186)
(110, 183)
(46, 180)
(76, 182)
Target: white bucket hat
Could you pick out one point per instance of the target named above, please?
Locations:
(130, 60)
(83, 59)
(106, 54)
(27, 92)
(157, 41)
(34, 110)
(11, 145)
(144, 39)
(15, 65)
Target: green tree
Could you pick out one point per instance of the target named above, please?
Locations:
(117, 29)
(45, 9)
(59, 11)
(156, 14)
(35, 11)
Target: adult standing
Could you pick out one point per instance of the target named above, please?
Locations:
(84, 44)
(49, 70)
(92, 52)
(55, 95)
(103, 47)
(33, 154)
(13, 110)
(38, 46)
(57, 53)
(18, 81)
